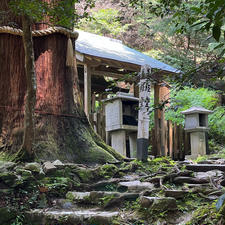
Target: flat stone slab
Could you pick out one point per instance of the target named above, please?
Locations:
(212, 174)
(74, 196)
(177, 194)
(205, 167)
(158, 203)
(190, 180)
(63, 217)
(135, 185)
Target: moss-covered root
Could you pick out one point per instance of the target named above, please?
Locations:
(23, 156)
(98, 140)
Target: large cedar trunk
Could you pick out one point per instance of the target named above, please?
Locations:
(62, 130)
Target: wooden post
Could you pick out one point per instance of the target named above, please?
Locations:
(143, 116)
(163, 96)
(175, 142)
(136, 90)
(166, 137)
(157, 117)
(170, 137)
(87, 90)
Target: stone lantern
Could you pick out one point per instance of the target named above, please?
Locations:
(196, 123)
(121, 113)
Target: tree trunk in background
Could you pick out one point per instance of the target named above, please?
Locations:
(28, 140)
(62, 130)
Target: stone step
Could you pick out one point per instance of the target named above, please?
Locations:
(101, 198)
(205, 167)
(177, 194)
(135, 186)
(158, 203)
(65, 217)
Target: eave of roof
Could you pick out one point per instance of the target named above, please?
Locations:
(104, 47)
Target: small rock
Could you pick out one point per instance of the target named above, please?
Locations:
(33, 167)
(48, 167)
(58, 163)
(158, 204)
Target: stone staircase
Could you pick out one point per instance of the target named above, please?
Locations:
(97, 200)
(89, 207)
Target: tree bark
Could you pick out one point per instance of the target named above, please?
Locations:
(62, 130)
(30, 100)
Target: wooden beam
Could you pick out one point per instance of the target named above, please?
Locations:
(107, 74)
(79, 56)
(87, 90)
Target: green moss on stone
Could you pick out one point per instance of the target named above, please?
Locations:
(108, 170)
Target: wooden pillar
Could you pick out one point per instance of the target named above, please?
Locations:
(170, 138)
(157, 117)
(87, 90)
(136, 90)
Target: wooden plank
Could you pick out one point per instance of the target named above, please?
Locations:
(87, 90)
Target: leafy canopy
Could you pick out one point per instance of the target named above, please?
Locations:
(62, 13)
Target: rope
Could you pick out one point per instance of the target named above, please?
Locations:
(52, 30)
(39, 33)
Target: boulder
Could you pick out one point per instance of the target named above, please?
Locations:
(5, 166)
(116, 201)
(158, 203)
(58, 163)
(33, 167)
(48, 167)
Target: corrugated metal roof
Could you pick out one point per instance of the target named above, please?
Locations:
(104, 47)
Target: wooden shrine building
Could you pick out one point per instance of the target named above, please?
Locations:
(100, 62)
